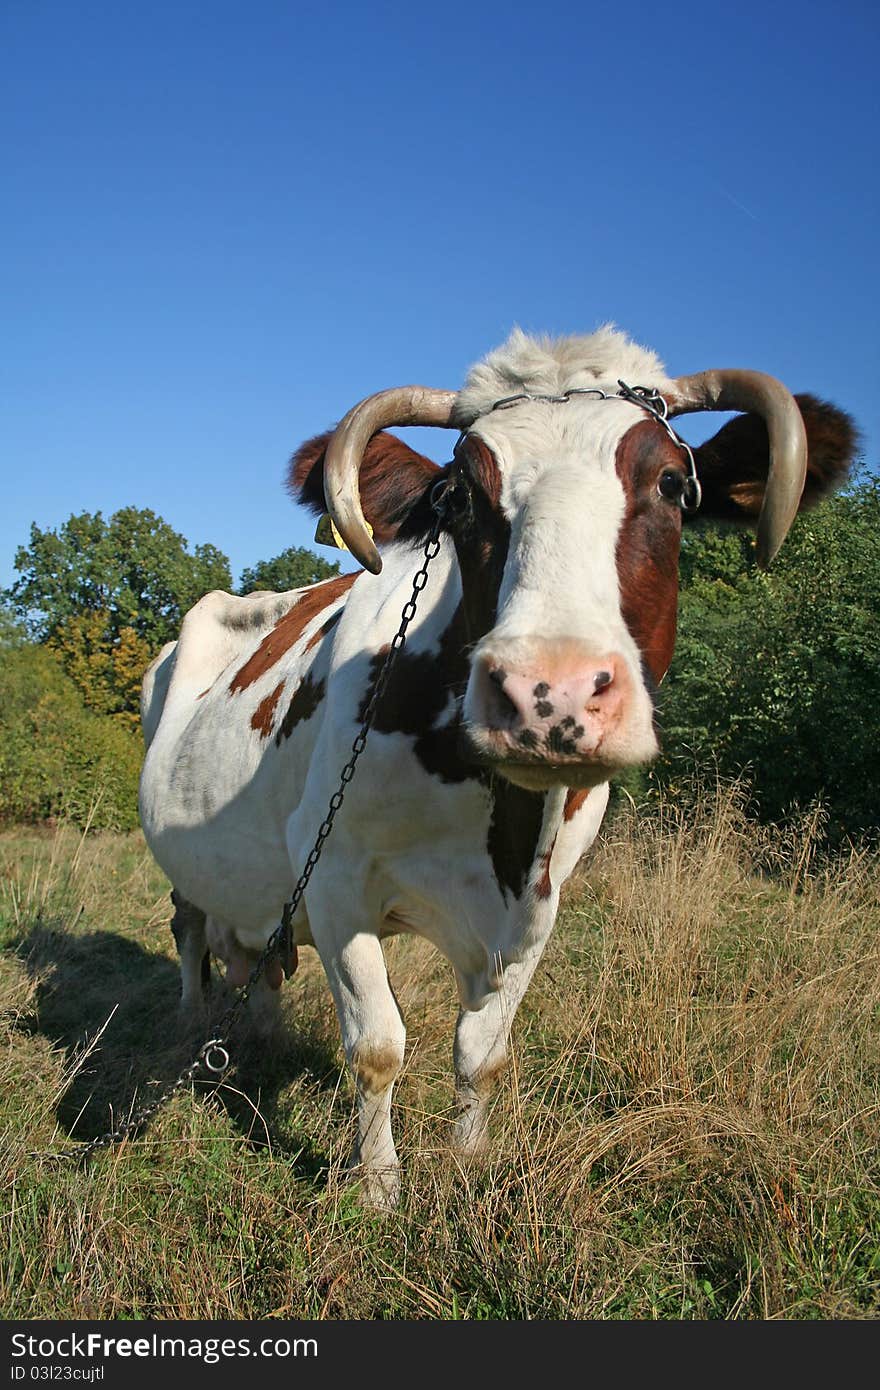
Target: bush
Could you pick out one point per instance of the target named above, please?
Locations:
(777, 675)
(56, 757)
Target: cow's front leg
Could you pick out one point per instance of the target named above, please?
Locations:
(373, 1036)
(481, 1036)
(480, 1053)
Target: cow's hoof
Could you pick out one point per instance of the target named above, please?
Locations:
(378, 1189)
(471, 1132)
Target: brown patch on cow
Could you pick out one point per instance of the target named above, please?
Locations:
(307, 697)
(543, 886)
(574, 800)
(263, 716)
(274, 974)
(288, 630)
(376, 1065)
(482, 538)
(648, 543)
(203, 693)
(484, 1080)
(393, 478)
(323, 630)
(733, 464)
(483, 467)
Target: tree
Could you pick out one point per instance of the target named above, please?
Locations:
(107, 673)
(134, 570)
(294, 568)
(105, 595)
(12, 633)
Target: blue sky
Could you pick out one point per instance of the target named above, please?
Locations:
(226, 222)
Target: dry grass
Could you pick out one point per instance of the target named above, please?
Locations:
(689, 1128)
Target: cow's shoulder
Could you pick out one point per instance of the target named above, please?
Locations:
(308, 616)
(222, 630)
(249, 650)
(219, 630)
(238, 618)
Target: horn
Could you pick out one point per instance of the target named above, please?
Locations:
(729, 388)
(402, 405)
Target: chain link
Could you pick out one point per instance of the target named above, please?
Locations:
(214, 1056)
(650, 399)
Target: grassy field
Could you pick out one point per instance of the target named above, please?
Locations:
(688, 1130)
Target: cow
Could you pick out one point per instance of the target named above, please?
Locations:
(527, 681)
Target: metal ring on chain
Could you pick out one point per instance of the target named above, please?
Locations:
(215, 1057)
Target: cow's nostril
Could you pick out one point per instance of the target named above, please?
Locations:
(502, 711)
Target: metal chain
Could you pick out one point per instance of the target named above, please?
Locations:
(214, 1056)
(650, 399)
(136, 1121)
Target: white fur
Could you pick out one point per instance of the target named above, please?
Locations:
(549, 366)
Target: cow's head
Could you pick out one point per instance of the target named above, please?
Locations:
(565, 500)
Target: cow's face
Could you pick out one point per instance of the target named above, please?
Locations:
(569, 557)
(566, 520)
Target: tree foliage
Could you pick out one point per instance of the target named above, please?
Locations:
(134, 570)
(777, 674)
(12, 632)
(108, 672)
(294, 568)
(104, 595)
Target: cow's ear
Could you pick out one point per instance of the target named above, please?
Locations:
(393, 479)
(732, 465)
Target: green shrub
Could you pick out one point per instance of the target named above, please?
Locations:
(56, 757)
(777, 675)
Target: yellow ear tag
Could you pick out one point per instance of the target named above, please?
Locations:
(327, 534)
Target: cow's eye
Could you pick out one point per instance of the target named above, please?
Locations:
(670, 485)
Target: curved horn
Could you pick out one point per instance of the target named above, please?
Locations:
(402, 405)
(729, 388)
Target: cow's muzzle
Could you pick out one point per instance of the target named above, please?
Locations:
(548, 713)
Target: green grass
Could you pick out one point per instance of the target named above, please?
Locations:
(688, 1129)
